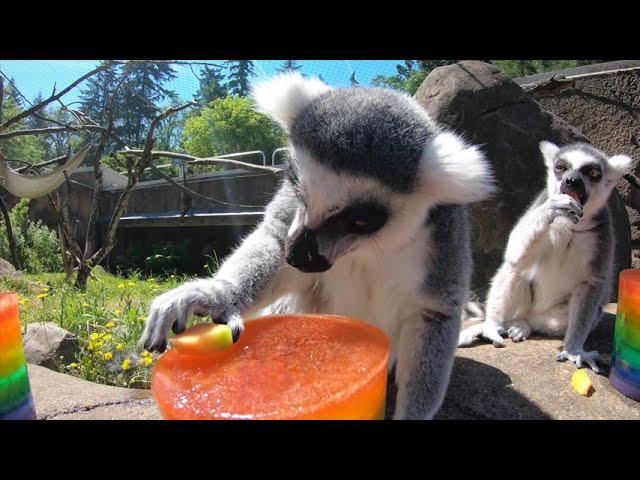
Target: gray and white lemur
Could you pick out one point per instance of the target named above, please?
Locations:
(369, 222)
(558, 263)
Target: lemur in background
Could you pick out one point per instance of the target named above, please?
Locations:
(369, 222)
(558, 264)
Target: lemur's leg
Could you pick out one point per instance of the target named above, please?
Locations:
(585, 309)
(255, 268)
(426, 349)
(509, 296)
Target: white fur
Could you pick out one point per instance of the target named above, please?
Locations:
(455, 172)
(284, 96)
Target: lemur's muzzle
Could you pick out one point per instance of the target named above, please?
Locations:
(303, 254)
(573, 186)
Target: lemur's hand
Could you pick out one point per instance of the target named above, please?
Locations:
(562, 205)
(593, 359)
(172, 310)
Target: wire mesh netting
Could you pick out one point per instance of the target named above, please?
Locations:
(35, 77)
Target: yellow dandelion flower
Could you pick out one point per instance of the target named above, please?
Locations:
(107, 337)
(146, 354)
(85, 304)
(117, 312)
(110, 324)
(91, 346)
(146, 361)
(121, 285)
(45, 289)
(23, 301)
(42, 296)
(107, 356)
(120, 347)
(73, 365)
(142, 318)
(126, 365)
(94, 336)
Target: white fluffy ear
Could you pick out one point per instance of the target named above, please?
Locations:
(549, 151)
(456, 172)
(619, 165)
(284, 96)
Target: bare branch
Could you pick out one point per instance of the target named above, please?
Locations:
(53, 97)
(210, 161)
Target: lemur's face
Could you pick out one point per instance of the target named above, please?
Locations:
(366, 165)
(583, 172)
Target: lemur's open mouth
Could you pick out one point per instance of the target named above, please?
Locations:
(581, 198)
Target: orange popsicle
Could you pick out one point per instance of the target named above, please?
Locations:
(283, 367)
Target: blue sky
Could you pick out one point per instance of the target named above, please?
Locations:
(34, 76)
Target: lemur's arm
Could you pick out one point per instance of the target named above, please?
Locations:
(255, 270)
(585, 305)
(427, 344)
(530, 233)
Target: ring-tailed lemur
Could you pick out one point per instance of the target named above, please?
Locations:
(369, 222)
(558, 263)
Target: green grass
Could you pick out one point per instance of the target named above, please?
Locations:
(108, 319)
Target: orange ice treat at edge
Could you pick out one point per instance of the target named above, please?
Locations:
(298, 367)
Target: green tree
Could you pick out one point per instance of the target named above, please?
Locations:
(289, 66)
(211, 85)
(409, 76)
(240, 72)
(522, 68)
(26, 148)
(231, 125)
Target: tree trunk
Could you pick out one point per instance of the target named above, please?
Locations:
(12, 239)
(84, 272)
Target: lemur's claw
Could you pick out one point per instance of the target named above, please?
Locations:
(593, 359)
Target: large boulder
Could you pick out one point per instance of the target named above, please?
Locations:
(487, 108)
(48, 345)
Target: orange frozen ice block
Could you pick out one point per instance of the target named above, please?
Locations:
(300, 367)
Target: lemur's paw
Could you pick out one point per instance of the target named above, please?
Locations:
(519, 332)
(563, 205)
(593, 359)
(470, 334)
(172, 310)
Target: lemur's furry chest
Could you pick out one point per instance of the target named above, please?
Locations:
(563, 266)
(382, 288)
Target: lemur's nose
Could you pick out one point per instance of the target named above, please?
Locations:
(303, 254)
(573, 182)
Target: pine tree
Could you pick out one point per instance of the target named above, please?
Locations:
(240, 71)
(211, 85)
(289, 66)
(352, 79)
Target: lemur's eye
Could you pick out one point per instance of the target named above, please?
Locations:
(560, 167)
(595, 174)
(361, 223)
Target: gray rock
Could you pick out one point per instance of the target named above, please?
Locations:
(48, 345)
(7, 269)
(62, 397)
(476, 100)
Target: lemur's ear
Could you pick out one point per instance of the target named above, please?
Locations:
(549, 151)
(618, 166)
(284, 96)
(456, 172)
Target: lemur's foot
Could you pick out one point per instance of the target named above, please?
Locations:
(519, 332)
(593, 359)
(491, 333)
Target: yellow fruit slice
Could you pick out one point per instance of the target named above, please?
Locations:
(581, 382)
(203, 339)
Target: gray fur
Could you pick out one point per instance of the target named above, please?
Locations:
(417, 263)
(558, 264)
(366, 131)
